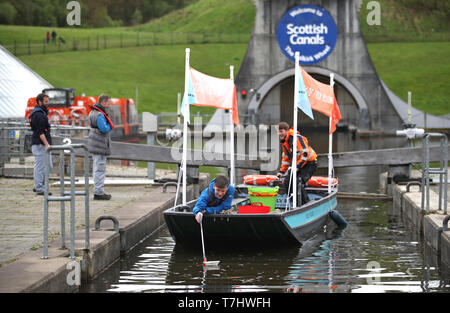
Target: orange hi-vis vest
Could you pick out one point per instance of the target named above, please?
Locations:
(305, 153)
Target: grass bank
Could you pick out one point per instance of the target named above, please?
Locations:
(417, 67)
(158, 71)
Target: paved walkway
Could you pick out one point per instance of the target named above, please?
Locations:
(21, 211)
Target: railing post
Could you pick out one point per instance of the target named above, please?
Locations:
(86, 197)
(46, 175)
(63, 205)
(72, 204)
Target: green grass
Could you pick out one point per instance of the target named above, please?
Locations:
(21, 34)
(206, 18)
(400, 23)
(158, 71)
(215, 16)
(417, 67)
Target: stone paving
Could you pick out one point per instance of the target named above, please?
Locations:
(21, 211)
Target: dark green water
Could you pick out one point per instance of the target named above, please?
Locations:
(378, 252)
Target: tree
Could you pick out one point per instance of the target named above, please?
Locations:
(136, 19)
(7, 13)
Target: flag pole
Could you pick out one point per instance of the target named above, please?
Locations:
(232, 171)
(294, 138)
(330, 142)
(185, 128)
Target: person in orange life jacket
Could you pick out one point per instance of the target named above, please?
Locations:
(306, 159)
(99, 144)
(40, 141)
(214, 199)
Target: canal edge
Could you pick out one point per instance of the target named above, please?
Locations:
(58, 274)
(428, 225)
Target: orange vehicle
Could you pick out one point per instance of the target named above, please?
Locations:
(68, 109)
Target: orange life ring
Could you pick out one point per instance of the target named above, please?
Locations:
(321, 182)
(262, 180)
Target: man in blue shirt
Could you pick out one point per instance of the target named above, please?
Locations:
(214, 199)
(99, 144)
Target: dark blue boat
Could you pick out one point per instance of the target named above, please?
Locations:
(284, 227)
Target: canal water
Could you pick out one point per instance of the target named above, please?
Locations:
(378, 252)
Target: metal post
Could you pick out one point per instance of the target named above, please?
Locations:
(422, 187)
(427, 173)
(441, 168)
(63, 205)
(72, 204)
(21, 146)
(46, 174)
(86, 198)
(151, 165)
(445, 145)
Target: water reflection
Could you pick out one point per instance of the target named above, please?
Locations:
(376, 253)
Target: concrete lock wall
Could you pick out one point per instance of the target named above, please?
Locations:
(350, 61)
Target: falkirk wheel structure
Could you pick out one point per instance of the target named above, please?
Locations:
(328, 36)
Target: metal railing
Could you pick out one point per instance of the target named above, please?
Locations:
(442, 171)
(15, 137)
(67, 196)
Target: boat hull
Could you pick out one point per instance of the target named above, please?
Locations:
(271, 229)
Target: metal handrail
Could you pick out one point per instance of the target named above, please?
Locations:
(426, 171)
(67, 196)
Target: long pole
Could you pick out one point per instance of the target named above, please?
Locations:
(178, 108)
(185, 128)
(330, 143)
(294, 138)
(232, 171)
(409, 108)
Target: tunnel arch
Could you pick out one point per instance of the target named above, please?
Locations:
(260, 94)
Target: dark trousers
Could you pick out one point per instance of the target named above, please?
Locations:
(303, 175)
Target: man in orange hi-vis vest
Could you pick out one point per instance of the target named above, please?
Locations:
(306, 159)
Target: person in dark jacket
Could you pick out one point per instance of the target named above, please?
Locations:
(40, 141)
(99, 144)
(214, 199)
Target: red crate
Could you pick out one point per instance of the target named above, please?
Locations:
(254, 208)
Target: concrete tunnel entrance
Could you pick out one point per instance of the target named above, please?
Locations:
(277, 105)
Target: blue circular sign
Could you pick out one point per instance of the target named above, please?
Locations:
(308, 29)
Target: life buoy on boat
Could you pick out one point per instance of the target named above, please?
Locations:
(262, 180)
(321, 182)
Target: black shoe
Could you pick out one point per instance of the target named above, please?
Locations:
(34, 189)
(102, 197)
(41, 193)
